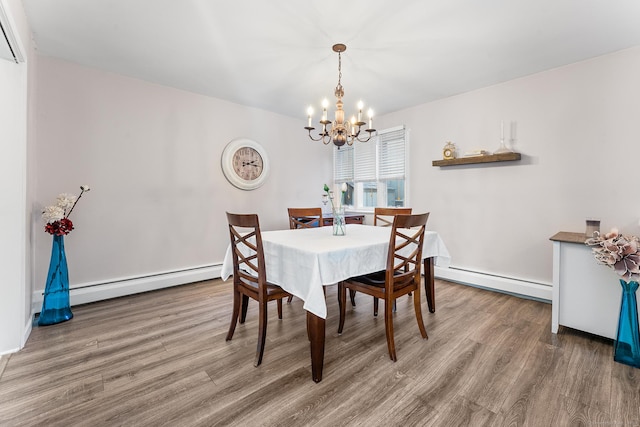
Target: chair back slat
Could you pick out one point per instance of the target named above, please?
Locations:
(247, 251)
(383, 217)
(304, 217)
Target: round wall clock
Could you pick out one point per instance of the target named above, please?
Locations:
(245, 164)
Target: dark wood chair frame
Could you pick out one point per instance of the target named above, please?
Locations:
(305, 217)
(381, 216)
(250, 278)
(401, 276)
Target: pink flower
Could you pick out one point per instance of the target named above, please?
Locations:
(619, 252)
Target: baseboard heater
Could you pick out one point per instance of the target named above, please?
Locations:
(509, 285)
(96, 291)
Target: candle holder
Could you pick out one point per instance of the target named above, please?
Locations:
(503, 148)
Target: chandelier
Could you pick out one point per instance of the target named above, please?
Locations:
(339, 131)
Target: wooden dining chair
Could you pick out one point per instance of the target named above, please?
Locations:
(382, 217)
(401, 276)
(250, 277)
(305, 217)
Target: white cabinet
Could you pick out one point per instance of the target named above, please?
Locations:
(586, 295)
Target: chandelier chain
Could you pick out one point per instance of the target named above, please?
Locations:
(339, 68)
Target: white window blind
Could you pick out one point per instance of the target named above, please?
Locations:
(365, 161)
(343, 164)
(391, 148)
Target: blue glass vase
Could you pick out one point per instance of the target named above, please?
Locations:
(626, 348)
(55, 305)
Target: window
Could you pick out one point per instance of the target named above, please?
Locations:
(374, 171)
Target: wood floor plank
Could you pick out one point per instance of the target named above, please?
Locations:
(462, 412)
(161, 358)
(502, 361)
(533, 397)
(625, 395)
(589, 381)
(574, 413)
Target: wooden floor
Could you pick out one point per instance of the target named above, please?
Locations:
(161, 358)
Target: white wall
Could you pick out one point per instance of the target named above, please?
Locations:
(577, 130)
(151, 155)
(14, 259)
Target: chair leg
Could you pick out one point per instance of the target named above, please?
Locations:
(234, 315)
(375, 306)
(289, 299)
(262, 333)
(418, 309)
(352, 295)
(342, 301)
(388, 327)
(279, 308)
(245, 303)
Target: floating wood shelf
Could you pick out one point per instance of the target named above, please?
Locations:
(491, 158)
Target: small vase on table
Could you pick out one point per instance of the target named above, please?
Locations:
(339, 226)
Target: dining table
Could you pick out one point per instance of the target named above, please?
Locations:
(304, 261)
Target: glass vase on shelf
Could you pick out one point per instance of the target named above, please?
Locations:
(339, 226)
(626, 347)
(55, 305)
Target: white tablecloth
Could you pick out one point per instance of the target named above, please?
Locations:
(303, 261)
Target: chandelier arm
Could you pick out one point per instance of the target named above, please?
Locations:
(370, 131)
(320, 136)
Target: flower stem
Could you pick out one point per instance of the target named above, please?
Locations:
(75, 203)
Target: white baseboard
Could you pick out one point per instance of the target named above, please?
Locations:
(96, 291)
(523, 288)
(25, 336)
(27, 332)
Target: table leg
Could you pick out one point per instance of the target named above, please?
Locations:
(429, 287)
(315, 327)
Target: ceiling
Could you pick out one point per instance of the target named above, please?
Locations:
(277, 55)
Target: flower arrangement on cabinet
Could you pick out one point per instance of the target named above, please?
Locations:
(57, 216)
(617, 251)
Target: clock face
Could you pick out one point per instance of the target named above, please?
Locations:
(245, 164)
(449, 151)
